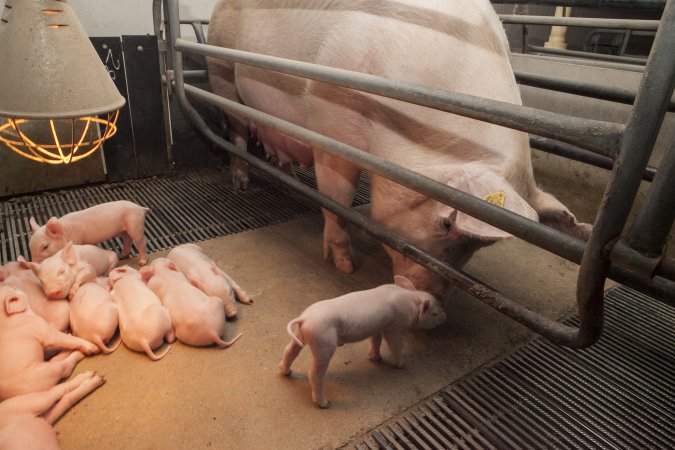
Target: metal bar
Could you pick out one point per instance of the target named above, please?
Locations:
(599, 136)
(649, 232)
(640, 136)
(588, 55)
(630, 4)
(602, 92)
(579, 154)
(586, 62)
(199, 32)
(631, 24)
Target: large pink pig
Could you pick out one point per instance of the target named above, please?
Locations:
(26, 420)
(24, 338)
(62, 273)
(93, 315)
(197, 318)
(457, 45)
(144, 323)
(20, 275)
(92, 226)
(207, 276)
(385, 312)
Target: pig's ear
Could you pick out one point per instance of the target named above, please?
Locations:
(481, 182)
(146, 273)
(424, 306)
(35, 267)
(68, 254)
(172, 266)
(54, 228)
(33, 224)
(4, 273)
(116, 274)
(403, 282)
(15, 304)
(214, 269)
(22, 262)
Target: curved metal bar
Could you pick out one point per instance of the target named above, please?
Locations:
(601, 137)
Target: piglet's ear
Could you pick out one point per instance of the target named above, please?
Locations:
(172, 265)
(33, 224)
(403, 282)
(3, 274)
(15, 304)
(68, 254)
(54, 228)
(35, 267)
(146, 273)
(22, 262)
(214, 269)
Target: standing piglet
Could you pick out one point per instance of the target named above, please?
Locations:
(20, 275)
(93, 315)
(197, 318)
(203, 273)
(24, 338)
(26, 420)
(62, 273)
(92, 226)
(144, 323)
(384, 312)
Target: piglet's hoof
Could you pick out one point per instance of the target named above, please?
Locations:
(285, 372)
(324, 405)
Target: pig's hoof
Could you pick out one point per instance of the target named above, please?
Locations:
(375, 358)
(284, 371)
(323, 405)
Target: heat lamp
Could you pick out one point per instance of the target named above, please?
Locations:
(57, 100)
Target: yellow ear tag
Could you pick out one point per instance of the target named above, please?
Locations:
(497, 198)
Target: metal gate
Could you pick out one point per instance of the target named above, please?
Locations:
(635, 258)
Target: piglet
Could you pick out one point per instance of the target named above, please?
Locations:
(26, 420)
(384, 312)
(20, 275)
(197, 319)
(144, 323)
(62, 273)
(93, 315)
(203, 273)
(92, 226)
(24, 338)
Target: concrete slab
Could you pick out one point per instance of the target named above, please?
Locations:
(236, 398)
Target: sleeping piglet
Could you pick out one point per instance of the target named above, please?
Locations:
(197, 318)
(26, 420)
(92, 226)
(93, 315)
(144, 323)
(24, 337)
(384, 312)
(62, 273)
(203, 273)
(20, 275)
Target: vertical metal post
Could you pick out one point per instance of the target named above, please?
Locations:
(639, 137)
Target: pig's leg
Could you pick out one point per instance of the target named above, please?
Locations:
(374, 350)
(323, 344)
(44, 375)
(81, 386)
(291, 352)
(126, 245)
(238, 291)
(337, 179)
(84, 275)
(556, 215)
(55, 339)
(395, 344)
(136, 233)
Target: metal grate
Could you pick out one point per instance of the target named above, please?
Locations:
(619, 394)
(183, 208)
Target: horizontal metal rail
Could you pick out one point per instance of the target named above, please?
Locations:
(588, 55)
(601, 137)
(629, 4)
(586, 22)
(585, 62)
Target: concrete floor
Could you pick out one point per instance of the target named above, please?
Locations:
(236, 398)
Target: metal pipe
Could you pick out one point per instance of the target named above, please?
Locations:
(631, 24)
(579, 154)
(602, 92)
(640, 136)
(601, 137)
(588, 55)
(630, 4)
(585, 62)
(649, 232)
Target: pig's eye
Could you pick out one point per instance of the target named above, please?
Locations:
(60, 272)
(446, 223)
(45, 246)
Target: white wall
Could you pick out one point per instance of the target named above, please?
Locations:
(118, 17)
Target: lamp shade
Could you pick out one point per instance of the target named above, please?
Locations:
(48, 67)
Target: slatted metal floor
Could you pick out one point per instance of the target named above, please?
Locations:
(618, 394)
(184, 208)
